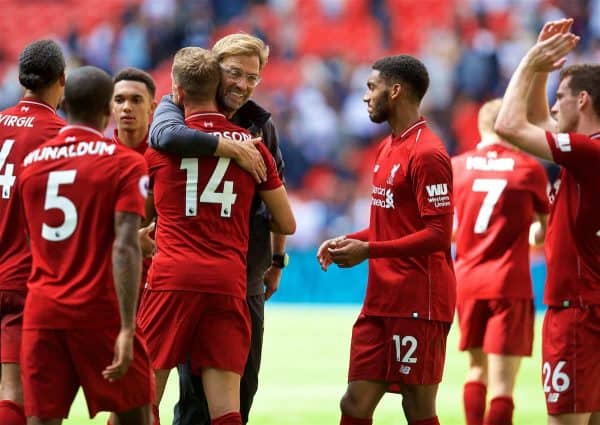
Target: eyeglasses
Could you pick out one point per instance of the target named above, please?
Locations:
(237, 74)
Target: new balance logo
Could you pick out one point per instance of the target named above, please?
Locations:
(553, 397)
(437, 189)
(563, 142)
(208, 124)
(404, 370)
(24, 108)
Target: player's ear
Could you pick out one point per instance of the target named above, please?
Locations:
(395, 91)
(180, 95)
(153, 105)
(583, 99)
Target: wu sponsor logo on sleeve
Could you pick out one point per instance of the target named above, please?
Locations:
(437, 189)
(438, 194)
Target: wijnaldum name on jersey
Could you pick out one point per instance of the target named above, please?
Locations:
(70, 151)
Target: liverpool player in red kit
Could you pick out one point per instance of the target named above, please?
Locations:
(83, 196)
(23, 128)
(498, 192)
(195, 307)
(399, 340)
(570, 138)
(133, 105)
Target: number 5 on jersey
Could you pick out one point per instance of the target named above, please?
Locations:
(209, 195)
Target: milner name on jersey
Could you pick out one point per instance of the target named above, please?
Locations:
(490, 164)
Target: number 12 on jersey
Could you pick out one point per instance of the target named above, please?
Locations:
(209, 195)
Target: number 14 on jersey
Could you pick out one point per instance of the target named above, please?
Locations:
(209, 195)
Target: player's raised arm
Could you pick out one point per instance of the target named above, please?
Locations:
(126, 260)
(538, 108)
(512, 123)
(169, 133)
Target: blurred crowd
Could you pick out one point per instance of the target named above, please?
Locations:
(321, 52)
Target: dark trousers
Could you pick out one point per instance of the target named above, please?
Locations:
(192, 409)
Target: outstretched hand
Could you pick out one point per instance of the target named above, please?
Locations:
(551, 54)
(349, 252)
(560, 26)
(323, 255)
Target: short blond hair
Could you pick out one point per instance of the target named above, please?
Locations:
(488, 113)
(197, 72)
(241, 44)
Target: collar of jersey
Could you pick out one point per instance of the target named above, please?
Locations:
(69, 128)
(410, 130)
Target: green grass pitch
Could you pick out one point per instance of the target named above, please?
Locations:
(303, 376)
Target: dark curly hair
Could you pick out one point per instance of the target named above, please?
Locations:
(41, 64)
(404, 69)
(135, 74)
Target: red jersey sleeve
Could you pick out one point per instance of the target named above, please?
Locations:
(361, 235)
(576, 152)
(273, 180)
(431, 175)
(153, 161)
(132, 184)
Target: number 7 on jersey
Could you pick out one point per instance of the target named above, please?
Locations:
(493, 189)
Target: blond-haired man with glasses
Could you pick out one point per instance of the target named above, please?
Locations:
(241, 57)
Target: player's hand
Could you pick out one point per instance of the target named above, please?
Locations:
(323, 255)
(551, 54)
(560, 26)
(146, 242)
(349, 252)
(250, 159)
(123, 356)
(271, 278)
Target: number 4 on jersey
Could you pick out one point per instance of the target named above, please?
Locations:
(209, 195)
(7, 180)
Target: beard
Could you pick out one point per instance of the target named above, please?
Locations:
(379, 113)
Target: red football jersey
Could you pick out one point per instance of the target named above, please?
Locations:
(573, 237)
(71, 187)
(23, 128)
(203, 207)
(147, 262)
(412, 179)
(497, 189)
